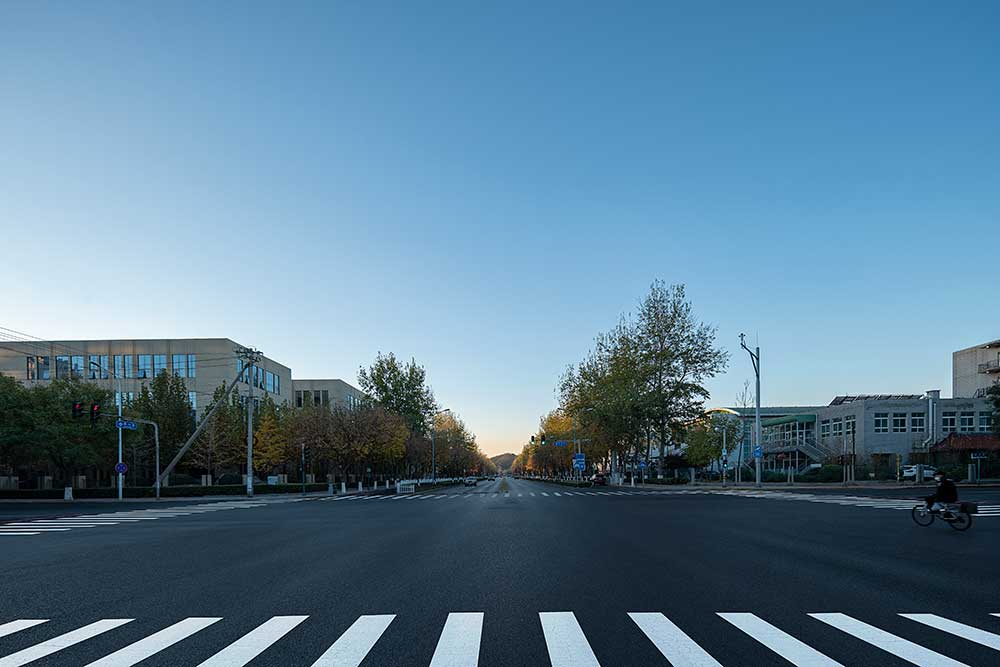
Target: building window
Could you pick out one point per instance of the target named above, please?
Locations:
(76, 365)
(178, 363)
(917, 422)
(838, 428)
(29, 372)
(42, 367)
(967, 422)
(191, 366)
(824, 427)
(159, 364)
(193, 399)
(145, 367)
(298, 398)
(269, 383)
(277, 384)
(97, 367)
(129, 397)
(899, 422)
(851, 425)
(947, 422)
(62, 366)
(985, 422)
(881, 422)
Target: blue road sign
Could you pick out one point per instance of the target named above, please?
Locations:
(579, 464)
(758, 452)
(123, 423)
(559, 443)
(642, 465)
(121, 468)
(579, 455)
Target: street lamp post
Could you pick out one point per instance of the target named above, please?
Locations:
(433, 449)
(755, 360)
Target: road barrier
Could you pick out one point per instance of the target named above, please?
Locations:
(406, 486)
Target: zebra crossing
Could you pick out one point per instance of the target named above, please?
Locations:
(565, 640)
(985, 510)
(29, 527)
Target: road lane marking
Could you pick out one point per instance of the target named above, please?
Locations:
(679, 649)
(890, 643)
(958, 629)
(39, 529)
(20, 532)
(20, 624)
(565, 641)
(352, 646)
(154, 643)
(556, 493)
(253, 643)
(545, 494)
(49, 647)
(458, 645)
(782, 643)
(532, 494)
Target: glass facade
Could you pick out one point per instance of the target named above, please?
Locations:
(97, 367)
(159, 364)
(191, 366)
(29, 371)
(193, 399)
(76, 365)
(62, 366)
(42, 368)
(178, 363)
(145, 367)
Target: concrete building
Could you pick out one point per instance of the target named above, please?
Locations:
(334, 393)
(203, 363)
(975, 369)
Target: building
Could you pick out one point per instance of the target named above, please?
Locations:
(203, 363)
(975, 369)
(334, 393)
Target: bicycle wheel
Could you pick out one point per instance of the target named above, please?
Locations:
(922, 516)
(962, 521)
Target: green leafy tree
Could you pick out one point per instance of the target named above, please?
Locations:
(15, 425)
(165, 401)
(271, 448)
(222, 442)
(400, 388)
(993, 394)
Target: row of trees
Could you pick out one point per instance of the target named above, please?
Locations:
(388, 435)
(641, 387)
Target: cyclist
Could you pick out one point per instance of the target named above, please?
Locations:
(946, 492)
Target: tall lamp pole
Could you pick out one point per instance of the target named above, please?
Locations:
(121, 399)
(434, 474)
(755, 360)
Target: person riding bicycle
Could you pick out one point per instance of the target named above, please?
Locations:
(946, 492)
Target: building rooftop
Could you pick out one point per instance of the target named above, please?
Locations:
(840, 400)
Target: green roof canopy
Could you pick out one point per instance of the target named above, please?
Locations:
(791, 419)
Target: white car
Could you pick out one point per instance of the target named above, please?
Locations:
(910, 472)
(471, 481)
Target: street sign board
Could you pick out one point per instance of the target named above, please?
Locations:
(559, 443)
(579, 464)
(979, 455)
(642, 465)
(121, 468)
(579, 455)
(758, 452)
(124, 423)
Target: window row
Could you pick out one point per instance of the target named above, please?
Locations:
(129, 397)
(317, 398)
(262, 379)
(838, 427)
(140, 366)
(915, 422)
(965, 422)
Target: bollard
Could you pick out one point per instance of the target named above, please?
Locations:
(359, 487)
(329, 488)
(68, 493)
(343, 487)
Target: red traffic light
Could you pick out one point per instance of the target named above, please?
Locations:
(95, 412)
(77, 409)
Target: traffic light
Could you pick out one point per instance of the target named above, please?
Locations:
(532, 440)
(77, 409)
(95, 412)
(543, 439)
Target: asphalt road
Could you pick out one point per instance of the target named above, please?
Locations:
(426, 572)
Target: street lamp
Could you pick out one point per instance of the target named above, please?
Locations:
(433, 449)
(755, 360)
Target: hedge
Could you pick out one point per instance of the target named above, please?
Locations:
(165, 492)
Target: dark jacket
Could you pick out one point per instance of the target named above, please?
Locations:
(946, 491)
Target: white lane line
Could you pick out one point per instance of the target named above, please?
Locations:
(154, 643)
(352, 646)
(556, 493)
(679, 649)
(458, 645)
(958, 629)
(20, 532)
(545, 494)
(20, 624)
(38, 529)
(49, 647)
(565, 641)
(253, 643)
(782, 643)
(890, 643)
(532, 494)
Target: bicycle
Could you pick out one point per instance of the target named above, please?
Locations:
(958, 516)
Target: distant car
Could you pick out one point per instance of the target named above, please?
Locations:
(471, 481)
(910, 472)
(599, 480)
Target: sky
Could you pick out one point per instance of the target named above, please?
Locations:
(485, 187)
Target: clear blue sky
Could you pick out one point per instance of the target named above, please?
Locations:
(486, 187)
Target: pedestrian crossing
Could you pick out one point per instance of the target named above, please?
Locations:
(29, 527)
(985, 510)
(565, 642)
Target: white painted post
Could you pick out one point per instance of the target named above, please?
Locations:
(343, 487)
(359, 487)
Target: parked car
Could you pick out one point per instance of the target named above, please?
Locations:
(471, 481)
(599, 479)
(910, 472)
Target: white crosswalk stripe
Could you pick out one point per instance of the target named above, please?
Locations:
(782, 643)
(673, 643)
(458, 645)
(20, 624)
(957, 629)
(565, 641)
(352, 646)
(255, 642)
(155, 643)
(890, 643)
(39, 651)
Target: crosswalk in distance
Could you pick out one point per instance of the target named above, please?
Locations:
(32, 527)
(485, 495)
(985, 510)
(566, 644)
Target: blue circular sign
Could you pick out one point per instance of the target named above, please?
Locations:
(121, 468)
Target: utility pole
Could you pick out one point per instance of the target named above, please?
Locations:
(755, 360)
(251, 357)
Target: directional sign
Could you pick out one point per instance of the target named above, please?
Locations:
(758, 452)
(121, 468)
(579, 455)
(579, 464)
(559, 443)
(979, 455)
(123, 423)
(642, 465)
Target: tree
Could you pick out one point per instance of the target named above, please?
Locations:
(993, 394)
(400, 388)
(15, 425)
(223, 441)
(164, 401)
(270, 448)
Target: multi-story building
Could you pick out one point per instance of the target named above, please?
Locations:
(203, 363)
(975, 369)
(334, 393)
